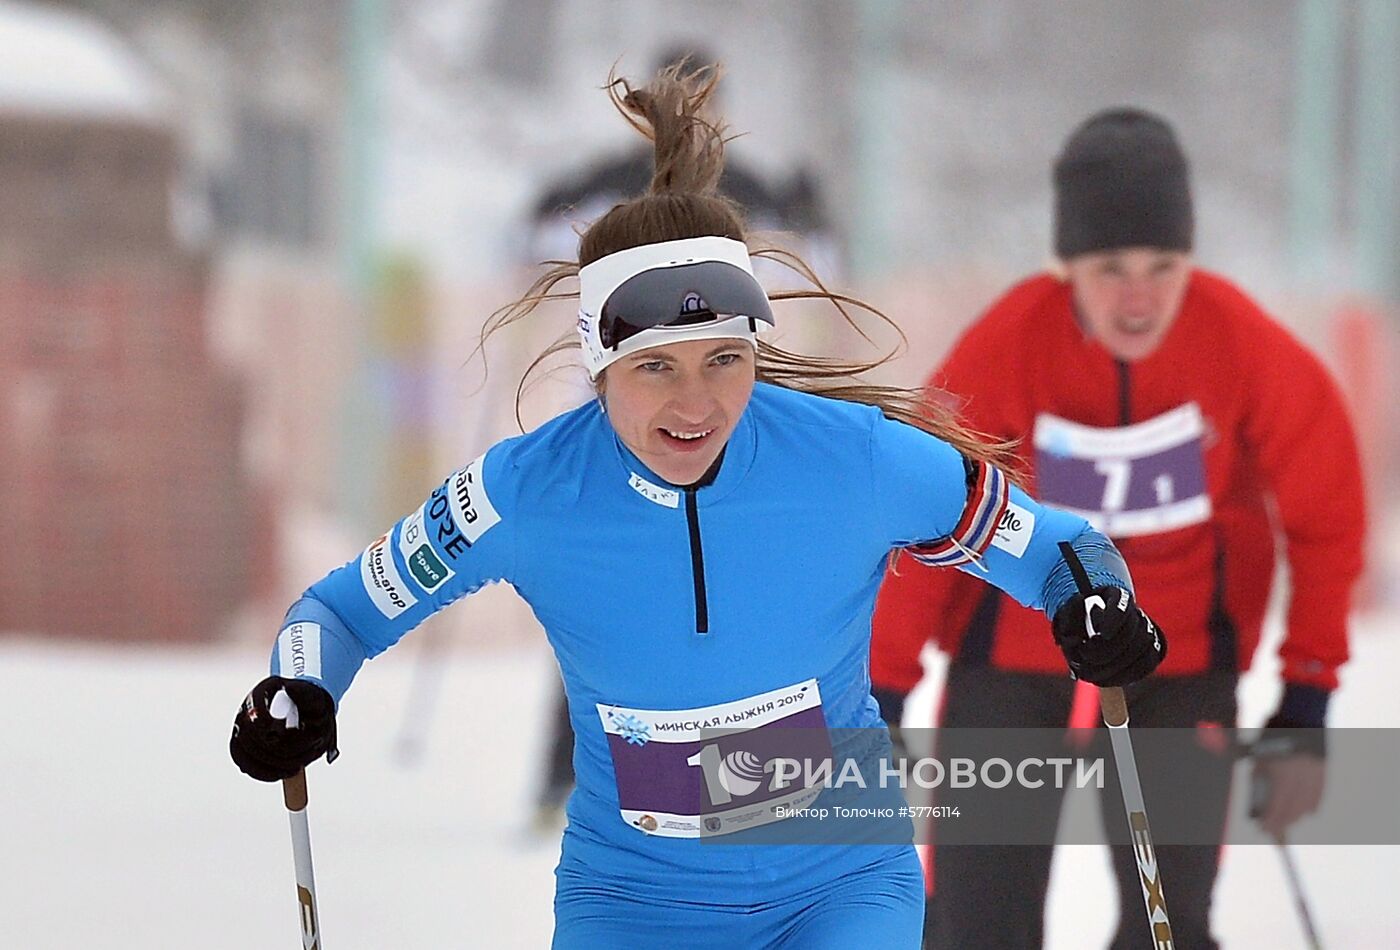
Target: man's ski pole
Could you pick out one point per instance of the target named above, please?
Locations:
(1295, 884)
(1259, 791)
(425, 684)
(1115, 715)
(294, 794)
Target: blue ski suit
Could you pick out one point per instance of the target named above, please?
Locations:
(678, 615)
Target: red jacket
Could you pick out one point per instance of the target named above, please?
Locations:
(1245, 426)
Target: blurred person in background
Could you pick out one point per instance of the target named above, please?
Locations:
(582, 195)
(702, 542)
(1158, 401)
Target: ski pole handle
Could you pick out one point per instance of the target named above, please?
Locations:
(1111, 699)
(1114, 706)
(294, 795)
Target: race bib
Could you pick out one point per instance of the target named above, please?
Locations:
(718, 769)
(1140, 479)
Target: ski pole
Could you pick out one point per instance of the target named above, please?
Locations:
(425, 683)
(1114, 706)
(294, 794)
(1295, 884)
(1259, 791)
(1115, 716)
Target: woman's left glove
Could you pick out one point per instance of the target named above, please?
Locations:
(283, 726)
(1107, 639)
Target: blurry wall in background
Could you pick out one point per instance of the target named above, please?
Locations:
(120, 438)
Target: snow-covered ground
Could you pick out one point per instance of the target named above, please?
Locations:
(124, 825)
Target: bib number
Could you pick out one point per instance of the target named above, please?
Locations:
(1146, 478)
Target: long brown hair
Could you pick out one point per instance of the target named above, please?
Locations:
(683, 201)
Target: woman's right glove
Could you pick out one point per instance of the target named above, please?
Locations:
(283, 726)
(1107, 639)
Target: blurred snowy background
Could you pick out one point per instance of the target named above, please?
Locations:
(246, 250)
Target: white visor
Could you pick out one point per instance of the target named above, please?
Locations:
(598, 281)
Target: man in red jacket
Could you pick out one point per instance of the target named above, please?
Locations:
(1162, 404)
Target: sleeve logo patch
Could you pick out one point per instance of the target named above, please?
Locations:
(423, 562)
(382, 580)
(449, 539)
(1014, 530)
(471, 506)
(299, 650)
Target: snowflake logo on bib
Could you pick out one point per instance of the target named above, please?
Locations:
(633, 729)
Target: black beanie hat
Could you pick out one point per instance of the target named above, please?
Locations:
(1121, 181)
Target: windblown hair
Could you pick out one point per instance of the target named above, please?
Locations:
(683, 201)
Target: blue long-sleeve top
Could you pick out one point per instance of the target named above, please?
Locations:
(674, 611)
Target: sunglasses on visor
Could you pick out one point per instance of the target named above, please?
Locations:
(682, 296)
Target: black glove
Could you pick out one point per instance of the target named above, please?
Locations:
(1289, 774)
(1282, 738)
(273, 747)
(1107, 639)
(1296, 728)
